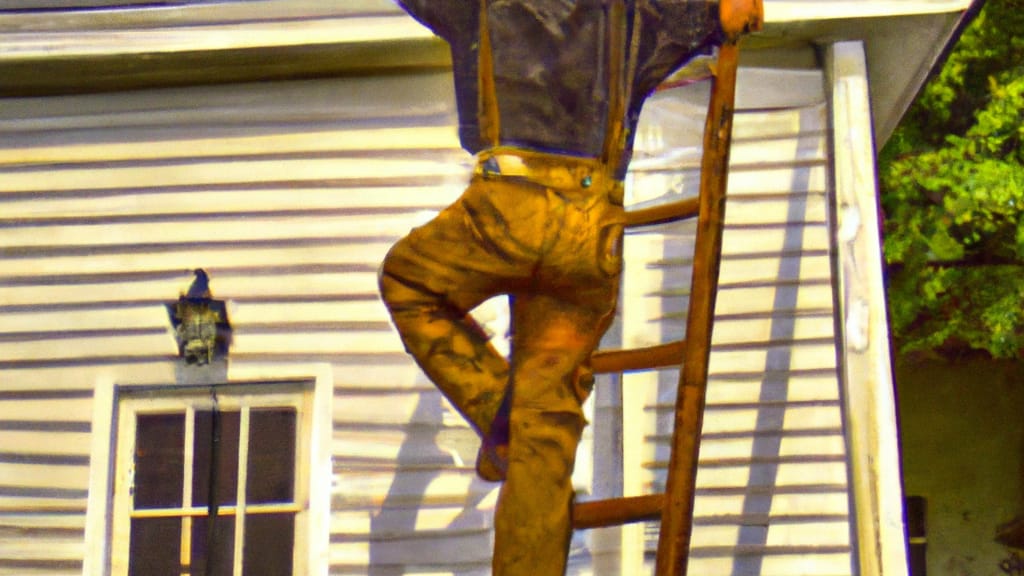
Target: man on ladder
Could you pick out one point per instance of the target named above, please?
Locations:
(549, 93)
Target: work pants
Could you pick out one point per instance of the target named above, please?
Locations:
(557, 253)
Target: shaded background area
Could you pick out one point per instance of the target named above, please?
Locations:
(962, 427)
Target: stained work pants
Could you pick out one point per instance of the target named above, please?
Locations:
(557, 253)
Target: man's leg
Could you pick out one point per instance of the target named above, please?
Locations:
(433, 277)
(451, 348)
(553, 339)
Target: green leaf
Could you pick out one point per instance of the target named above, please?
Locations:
(952, 190)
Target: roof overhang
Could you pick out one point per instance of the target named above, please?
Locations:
(59, 52)
(904, 41)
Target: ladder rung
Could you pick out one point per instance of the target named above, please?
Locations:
(660, 356)
(617, 511)
(663, 213)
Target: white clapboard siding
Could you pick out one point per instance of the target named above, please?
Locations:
(110, 203)
(772, 494)
(289, 194)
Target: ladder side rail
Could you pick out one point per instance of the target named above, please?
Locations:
(677, 515)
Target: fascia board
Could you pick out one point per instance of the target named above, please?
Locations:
(781, 11)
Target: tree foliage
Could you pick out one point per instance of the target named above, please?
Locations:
(952, 182)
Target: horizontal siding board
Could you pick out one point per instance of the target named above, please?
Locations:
(789, 146)
(32, 378)
(281, 36)
(383, 341)
(45, 479)
(369, 490)
(759, 298)
(418, 551)
(745, 181)
(835, 504)
(816, 417)
(81, 14)
(828, 563)
(784, 238)
(757, 268)
(406, 409)
(172, 207)
(170, 144)
(48, 567)
(834, 534)
(770, 209)
(775, 180)
(427, 524)
(381, 101)
(73, 408)
(158, 288)
(769, 125)
(83, 348)
(827, 447)
(65, 547)
(800, 357)
(413, 443)
(772, 475)
(16, 500)
(66, 523)
(342, 228)
(792, 149)
(338, 316)
(390, 376)
(798, 388)
(240, 173)
(463, 494)
(351, 274)
(761, 331)
(71, 444)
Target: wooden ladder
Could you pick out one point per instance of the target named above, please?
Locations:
(675, 506)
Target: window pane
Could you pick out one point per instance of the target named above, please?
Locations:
(269, 542)
(159, 460)
(216, 438)
(214, 549)
(271, 476)
(155, 548)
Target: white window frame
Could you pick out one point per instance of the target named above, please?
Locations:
(187, 401)
(315, 474)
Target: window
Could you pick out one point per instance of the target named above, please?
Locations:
(212, 481)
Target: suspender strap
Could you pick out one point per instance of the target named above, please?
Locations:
(621, 66)
(487, 99)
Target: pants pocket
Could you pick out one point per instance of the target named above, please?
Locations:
(609, 249)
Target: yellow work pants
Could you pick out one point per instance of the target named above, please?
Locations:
(557, 253)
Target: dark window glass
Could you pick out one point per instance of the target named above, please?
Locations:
(156, 543)
(213, 551)
(155, 548)
(271, 476)
(269, 540)
(159, 460)
(215, 457)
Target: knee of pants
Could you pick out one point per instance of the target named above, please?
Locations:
(392, 290)
(546, 440)
(406, 301)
